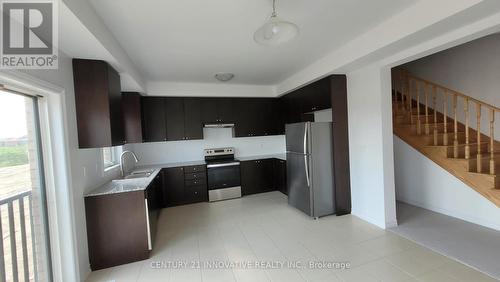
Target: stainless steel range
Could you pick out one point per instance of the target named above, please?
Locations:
(223, 172)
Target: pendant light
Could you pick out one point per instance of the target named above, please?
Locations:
(275, 31)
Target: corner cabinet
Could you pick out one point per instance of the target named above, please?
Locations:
(121, 227)
(257, 176)
(98, 100)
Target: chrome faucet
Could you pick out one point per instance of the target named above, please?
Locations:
(121, 160)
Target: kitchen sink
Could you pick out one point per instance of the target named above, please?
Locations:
(137, 175)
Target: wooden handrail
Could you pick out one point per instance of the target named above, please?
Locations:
(461, 146)
(455, 92)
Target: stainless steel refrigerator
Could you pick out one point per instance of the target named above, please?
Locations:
(309, 158)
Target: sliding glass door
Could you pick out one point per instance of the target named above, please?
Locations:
(24, 246)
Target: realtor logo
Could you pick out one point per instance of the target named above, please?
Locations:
(29, 35)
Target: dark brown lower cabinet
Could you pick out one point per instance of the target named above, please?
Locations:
(257, 176)
(173, 186)
(280, 176)
(184, 185)
(117, 226)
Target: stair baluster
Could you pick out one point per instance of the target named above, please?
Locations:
(426, 93)
(445, 114)
(419, 123)
(479, 157)
(455, 130)
(492, 142)
(434, 94)
(410, 101)
(466, 110)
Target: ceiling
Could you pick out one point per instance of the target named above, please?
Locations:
(191, 40)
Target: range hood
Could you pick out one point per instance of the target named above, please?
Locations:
(218, 125)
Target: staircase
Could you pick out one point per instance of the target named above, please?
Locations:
(436, 121)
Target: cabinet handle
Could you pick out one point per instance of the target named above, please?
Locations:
(150, 247)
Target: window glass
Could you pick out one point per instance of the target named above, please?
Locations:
(110, 156)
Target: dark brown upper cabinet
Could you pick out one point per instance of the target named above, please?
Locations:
(154, 127)
(184, 119)
(98, 101)
(171, 119)
(193, 123)
(131, 105)
(217, 110)
(174, 110)
(257, 117)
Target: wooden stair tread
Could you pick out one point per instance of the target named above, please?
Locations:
(459, 144)
(482, 182)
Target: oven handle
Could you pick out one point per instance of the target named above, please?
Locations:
(223, 165)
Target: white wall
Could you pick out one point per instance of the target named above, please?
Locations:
(371, 155)
(471, 68)
(323, 115)
(85, 164)
(421, 182)
(181, 151)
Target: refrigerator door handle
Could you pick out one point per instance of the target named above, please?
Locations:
(305, 138)
(306, 166)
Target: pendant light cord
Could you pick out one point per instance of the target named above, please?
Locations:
(274, 9)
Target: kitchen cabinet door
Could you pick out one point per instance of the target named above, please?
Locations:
(115, 106)
(319, 95)
(209, 110)
(193, 122)
(250, 118)
(279, 117)
(174, 112)
(280, 176)
(265, 116)
(131, 104)
(98, 103)
(173, 186)
(225, 110)
(249, 177)
(154, 128)
(266, 173)
(257, 176)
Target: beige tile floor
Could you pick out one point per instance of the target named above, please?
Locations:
(264, 228)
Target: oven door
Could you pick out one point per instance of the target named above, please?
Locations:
(221, 176)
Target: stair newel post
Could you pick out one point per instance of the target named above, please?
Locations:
(492, 142)
(466, 111)
(426, 93)
(419, 123)
(479, 157)
(445, 114)
(434, 94)
(455, 127)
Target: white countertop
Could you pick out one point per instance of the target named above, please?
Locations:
(281, 156)
(136, 184)
(140, 184)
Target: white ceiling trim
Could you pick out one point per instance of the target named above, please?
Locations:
(162, 88)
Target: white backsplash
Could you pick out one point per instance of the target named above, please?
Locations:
(182, 151)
